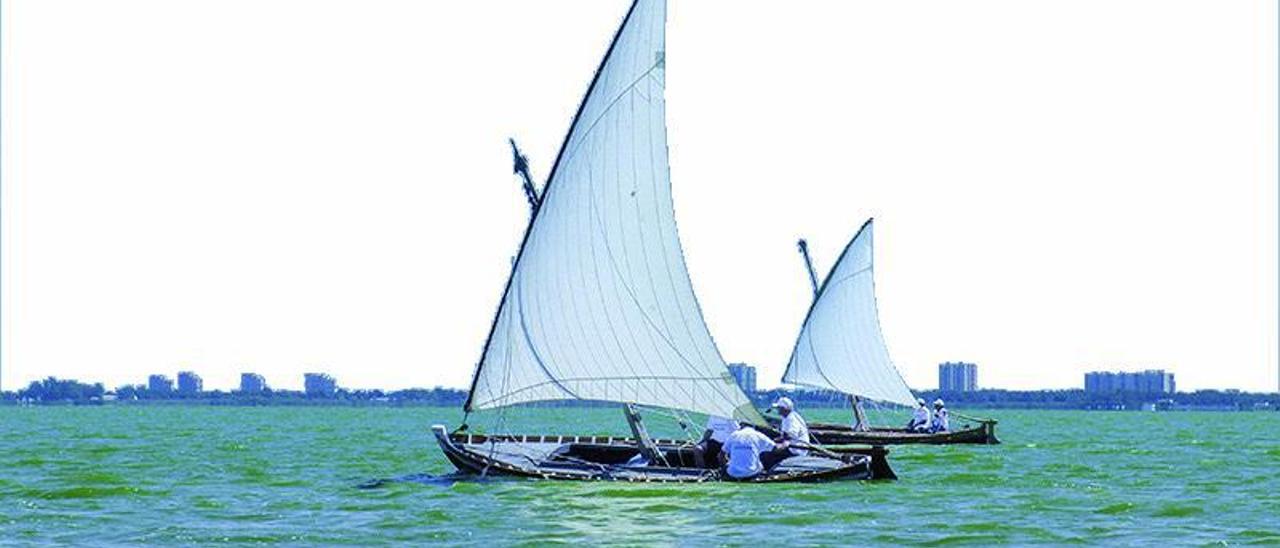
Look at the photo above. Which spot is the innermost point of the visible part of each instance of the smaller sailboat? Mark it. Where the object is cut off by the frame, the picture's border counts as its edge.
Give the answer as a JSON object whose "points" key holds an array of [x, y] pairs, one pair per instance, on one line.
{"points": [[599, 306], [840, 348]]}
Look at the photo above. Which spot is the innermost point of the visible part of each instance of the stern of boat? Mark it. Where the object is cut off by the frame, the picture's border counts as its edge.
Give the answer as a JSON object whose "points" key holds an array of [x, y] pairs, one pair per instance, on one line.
{"points": [[880, 469], [989, 432]]}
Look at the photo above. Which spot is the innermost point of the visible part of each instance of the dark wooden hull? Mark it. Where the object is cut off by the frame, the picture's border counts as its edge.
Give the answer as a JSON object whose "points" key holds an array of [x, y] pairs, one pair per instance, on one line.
{"points": [[600, 458], [983, 433]]}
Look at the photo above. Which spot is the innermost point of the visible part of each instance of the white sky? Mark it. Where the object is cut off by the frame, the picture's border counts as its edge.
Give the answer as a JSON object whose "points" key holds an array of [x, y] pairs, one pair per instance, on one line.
{"points": [[284, 186]]}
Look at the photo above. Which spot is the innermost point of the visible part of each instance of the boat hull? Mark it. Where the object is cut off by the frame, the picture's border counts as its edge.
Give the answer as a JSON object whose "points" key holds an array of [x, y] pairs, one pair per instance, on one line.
{"points": [[600, 458], [983, 433]]}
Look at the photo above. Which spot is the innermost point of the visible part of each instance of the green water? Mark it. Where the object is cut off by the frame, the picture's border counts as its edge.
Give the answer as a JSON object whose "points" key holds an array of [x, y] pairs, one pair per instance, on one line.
{"points": [[118, 475]]}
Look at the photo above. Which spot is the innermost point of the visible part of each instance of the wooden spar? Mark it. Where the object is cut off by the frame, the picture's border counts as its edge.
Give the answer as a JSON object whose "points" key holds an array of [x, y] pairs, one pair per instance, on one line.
{"points": [[808, 265], [859, 416], [521, 168], [643, 442]]}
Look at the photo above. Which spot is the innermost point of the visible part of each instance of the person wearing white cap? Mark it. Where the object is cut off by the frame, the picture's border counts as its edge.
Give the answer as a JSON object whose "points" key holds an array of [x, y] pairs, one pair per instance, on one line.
{"points": [[793, 428], [921, 418], [941, 420]]}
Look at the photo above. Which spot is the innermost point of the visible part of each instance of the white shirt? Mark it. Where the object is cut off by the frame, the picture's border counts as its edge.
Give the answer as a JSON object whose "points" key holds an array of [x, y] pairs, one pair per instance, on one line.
{"points": [[941, 421], [921, 416], [796, 429], [744, 447], [721, 428]]}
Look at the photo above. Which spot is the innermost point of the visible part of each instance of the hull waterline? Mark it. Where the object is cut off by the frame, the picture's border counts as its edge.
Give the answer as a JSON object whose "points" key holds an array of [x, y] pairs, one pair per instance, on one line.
{"points": [[983, 433]]}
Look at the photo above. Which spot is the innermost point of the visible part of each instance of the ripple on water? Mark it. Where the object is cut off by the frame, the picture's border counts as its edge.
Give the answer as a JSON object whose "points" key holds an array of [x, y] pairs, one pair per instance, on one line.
{"points": [[1117, 508], [1178, 511], [972, 478], [1258, 536], [90, 492], [948, 540], [631, 492]]}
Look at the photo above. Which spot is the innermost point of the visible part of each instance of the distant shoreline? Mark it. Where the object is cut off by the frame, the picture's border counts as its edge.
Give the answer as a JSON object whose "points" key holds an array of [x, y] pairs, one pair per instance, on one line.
{"points": [[63, 393]]}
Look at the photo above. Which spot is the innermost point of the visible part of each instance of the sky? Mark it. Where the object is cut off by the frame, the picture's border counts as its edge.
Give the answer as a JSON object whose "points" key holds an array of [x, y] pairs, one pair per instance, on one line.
{"points": [[286, 186]]}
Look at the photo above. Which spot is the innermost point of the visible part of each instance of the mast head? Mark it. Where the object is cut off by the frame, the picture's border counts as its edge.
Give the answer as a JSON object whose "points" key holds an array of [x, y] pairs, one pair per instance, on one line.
{"points": [[521, 163]]}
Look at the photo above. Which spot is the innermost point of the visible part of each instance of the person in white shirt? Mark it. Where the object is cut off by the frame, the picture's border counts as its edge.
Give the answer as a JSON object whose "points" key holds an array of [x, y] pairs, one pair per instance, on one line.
{"points": [[941, 418], [920, 419], [744, 448], [794, 431], [706, 454]]}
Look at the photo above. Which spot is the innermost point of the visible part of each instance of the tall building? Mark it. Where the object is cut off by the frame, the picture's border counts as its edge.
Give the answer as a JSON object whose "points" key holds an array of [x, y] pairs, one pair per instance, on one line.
{"points": [[252, 382], [1151, 381], [159, 383], [745, 375], [189, 382], [957, 377], [319, 384]]}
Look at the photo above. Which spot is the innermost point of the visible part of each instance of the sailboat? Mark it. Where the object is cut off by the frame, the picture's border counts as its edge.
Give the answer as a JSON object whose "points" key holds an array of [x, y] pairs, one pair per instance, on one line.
{"points": [[840, 348], [599, 305]]}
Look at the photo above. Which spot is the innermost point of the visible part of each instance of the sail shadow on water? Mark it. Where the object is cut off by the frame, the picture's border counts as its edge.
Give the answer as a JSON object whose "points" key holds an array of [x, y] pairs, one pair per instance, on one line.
{"points": [[599, 306]]}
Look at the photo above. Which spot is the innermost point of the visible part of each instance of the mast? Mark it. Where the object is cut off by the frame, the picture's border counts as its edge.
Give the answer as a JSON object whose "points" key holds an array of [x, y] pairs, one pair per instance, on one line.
{"points": [[521, 168], [808, 265]]}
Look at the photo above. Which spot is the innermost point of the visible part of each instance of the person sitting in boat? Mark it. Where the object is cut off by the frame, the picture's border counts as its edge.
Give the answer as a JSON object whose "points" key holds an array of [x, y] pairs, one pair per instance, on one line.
{"points": [[921, 419], [941, 421], [743, 450], [794, 431], [706, 454]]}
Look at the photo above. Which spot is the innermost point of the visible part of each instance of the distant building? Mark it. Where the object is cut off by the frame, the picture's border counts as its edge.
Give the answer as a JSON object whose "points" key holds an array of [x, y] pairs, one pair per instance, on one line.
{"points": [[319, 384], [159, 383], [252, 382], [189, 383], [957, 377], [1152, 381], [745, 375]]}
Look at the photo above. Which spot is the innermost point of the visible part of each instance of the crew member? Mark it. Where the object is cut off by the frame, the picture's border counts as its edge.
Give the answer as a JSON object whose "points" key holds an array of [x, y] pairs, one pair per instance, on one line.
{"points": [[744, 448], [921, 418], [706, 454], [941, 422], [794, 431]]}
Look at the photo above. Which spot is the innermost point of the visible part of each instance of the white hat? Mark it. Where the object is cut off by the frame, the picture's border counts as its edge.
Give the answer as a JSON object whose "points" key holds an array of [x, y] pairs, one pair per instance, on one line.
{"points": [[919, 401], [938, 402], [784, 403]]}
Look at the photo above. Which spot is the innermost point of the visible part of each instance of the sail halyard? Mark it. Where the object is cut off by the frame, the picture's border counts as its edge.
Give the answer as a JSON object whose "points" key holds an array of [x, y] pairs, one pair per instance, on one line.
{"points": [[599, 305], [840, 346]]}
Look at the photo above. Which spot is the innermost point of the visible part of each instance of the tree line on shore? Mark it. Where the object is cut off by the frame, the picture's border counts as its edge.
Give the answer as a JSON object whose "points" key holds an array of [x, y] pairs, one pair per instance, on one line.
{"points": [[65, 391], [62, 391]]}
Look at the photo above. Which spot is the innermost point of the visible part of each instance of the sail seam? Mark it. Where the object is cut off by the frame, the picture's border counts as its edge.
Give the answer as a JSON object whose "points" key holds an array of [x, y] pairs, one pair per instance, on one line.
{"points": [[511, 394], [605, 110]]}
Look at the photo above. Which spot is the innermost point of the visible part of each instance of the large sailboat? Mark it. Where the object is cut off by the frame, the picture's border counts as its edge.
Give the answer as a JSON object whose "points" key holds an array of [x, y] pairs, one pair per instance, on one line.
{"points": [[840, 348], [599, 305]]}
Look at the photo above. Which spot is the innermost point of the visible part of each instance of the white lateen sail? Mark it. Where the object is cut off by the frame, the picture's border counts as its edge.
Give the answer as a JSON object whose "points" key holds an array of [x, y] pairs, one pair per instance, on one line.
{"points": [[599, 305], [840, 346]]}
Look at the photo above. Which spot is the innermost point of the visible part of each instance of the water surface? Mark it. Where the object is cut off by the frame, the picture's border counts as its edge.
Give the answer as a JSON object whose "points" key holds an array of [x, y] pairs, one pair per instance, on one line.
{"points": [[179, 474]]}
